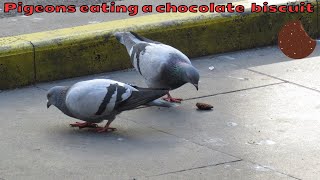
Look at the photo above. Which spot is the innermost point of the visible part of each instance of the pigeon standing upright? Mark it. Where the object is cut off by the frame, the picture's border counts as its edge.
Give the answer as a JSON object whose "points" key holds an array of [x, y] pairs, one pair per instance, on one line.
{"points": [[100, 99], [162, 66]]}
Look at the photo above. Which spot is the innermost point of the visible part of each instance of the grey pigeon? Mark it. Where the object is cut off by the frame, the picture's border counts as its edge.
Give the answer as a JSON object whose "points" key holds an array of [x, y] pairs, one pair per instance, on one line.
{"points": [[97, 100], [162, 66]]}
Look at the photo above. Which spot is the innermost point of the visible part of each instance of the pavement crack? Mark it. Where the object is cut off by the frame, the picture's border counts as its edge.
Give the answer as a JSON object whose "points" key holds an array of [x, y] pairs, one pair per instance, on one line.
{"points": [[199, 167], [204, 146], [286, 81], [34, 62], [271, 169], [238, 90]]}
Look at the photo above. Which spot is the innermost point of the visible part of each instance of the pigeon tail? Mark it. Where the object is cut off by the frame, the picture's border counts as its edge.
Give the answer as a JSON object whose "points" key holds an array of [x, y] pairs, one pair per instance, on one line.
{"points": [[161, 103], [127, 39], [141, 97], [119, 36], [141, 38]]}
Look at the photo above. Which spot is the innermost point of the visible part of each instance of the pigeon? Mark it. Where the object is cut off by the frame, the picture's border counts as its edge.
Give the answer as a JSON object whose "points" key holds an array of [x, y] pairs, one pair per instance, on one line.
{"points": [[161, 65], [94, 101]]}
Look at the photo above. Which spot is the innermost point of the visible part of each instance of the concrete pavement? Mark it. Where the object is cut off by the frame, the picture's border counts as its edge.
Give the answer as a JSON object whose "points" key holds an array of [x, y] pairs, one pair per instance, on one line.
{"points": [[264, 125]]}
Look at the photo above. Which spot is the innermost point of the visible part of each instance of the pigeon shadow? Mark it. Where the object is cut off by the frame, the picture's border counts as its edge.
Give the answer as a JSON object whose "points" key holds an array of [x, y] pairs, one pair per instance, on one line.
{"points": [[125, 137]]}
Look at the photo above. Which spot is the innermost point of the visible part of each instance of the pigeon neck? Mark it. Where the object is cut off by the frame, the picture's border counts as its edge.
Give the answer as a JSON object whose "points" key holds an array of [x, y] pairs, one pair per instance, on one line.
{"points": [[61, 102], [176, 75], [182, 67]]}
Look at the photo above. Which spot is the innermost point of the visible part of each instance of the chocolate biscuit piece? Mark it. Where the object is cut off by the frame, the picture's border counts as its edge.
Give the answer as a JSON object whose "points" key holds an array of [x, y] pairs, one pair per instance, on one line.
{"points": [[204, 106], [294, 41]]}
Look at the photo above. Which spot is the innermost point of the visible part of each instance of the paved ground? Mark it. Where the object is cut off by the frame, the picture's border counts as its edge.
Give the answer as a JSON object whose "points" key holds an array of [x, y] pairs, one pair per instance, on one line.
{"points": [[265, 125], [15, 24]]}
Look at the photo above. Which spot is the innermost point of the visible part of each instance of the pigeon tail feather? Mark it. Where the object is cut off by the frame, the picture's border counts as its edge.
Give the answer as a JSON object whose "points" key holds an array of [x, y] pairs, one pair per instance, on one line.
{"points": [[161, 103], [127, 39], [141, 38], [141, 97]]}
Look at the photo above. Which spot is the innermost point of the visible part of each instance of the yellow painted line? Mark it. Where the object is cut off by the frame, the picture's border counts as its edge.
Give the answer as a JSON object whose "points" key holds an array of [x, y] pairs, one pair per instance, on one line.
{"points": [[14, 45], [16, 63]]}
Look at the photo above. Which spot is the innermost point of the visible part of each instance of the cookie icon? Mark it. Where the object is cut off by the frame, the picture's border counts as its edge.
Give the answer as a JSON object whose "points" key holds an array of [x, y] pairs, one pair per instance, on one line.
{"points": [[294, 41]]}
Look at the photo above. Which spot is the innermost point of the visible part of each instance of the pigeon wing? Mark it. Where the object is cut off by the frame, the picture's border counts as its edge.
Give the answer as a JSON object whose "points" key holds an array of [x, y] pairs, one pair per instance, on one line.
{"points": [[141, 97], [96, 98]]}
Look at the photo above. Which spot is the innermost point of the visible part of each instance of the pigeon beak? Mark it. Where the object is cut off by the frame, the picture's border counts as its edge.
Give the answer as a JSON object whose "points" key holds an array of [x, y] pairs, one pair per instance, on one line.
{"points": [[48, 104], [196, 85]]}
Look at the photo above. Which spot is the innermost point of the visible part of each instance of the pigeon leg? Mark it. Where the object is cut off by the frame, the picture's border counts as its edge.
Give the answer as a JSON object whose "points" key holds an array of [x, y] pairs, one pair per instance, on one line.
{"points": [[106, 128], [171, 99], [84, 125]]}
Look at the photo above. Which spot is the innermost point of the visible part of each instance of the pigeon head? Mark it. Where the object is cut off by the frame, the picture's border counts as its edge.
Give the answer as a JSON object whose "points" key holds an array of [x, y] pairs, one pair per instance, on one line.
{"points": [[56, 96], [191, 74]]}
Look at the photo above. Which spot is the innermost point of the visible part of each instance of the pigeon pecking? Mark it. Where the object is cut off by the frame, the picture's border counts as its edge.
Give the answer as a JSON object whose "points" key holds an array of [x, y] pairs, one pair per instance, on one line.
{"points": [[94, 101], [162, 66]]}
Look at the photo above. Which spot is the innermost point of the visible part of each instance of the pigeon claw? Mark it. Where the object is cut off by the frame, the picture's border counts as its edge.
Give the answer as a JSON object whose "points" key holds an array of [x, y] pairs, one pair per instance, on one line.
{"points": [[171, 99], [105, 129], [84, 125]]}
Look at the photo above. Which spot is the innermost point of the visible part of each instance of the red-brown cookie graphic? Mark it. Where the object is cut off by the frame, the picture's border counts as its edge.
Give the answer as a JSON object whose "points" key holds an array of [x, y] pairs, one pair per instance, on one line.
{"points": [[294, 42]]}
